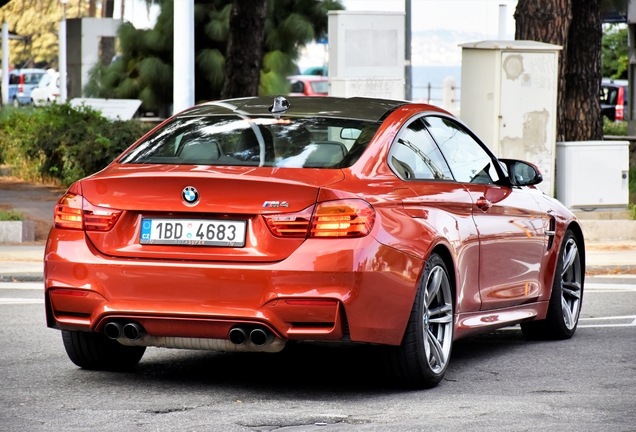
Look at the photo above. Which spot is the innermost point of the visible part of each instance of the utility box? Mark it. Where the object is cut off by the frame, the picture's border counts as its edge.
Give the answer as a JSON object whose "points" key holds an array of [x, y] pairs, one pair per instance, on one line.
{"points": [[509, 98], [593, 174], [366, 54]]}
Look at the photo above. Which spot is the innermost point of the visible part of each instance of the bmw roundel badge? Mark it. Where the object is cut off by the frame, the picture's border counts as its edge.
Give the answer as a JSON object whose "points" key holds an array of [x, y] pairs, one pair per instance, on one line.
{"points": [[190, 195]]}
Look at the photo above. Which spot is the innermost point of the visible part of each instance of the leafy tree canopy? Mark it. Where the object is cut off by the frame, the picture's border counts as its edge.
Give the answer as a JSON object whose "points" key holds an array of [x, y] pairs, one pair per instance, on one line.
{"points": [[615, 59], [144, 68]]}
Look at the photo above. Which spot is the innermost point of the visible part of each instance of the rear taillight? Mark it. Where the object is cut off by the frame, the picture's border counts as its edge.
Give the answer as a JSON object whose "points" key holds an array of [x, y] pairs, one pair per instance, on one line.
{"points": [[21, 84], [75, 212], [341, 218], [290, 224], [620, 105]]}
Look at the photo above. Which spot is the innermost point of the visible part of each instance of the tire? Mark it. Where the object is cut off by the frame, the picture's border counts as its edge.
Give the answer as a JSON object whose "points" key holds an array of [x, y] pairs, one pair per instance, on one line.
{"points": [[95, 351], [16, 103], [422, 358], [566, 298]]}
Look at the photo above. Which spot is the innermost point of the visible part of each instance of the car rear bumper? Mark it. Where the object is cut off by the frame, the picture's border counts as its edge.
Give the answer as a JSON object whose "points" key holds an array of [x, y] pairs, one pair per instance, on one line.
{"points": [[326, 290]]}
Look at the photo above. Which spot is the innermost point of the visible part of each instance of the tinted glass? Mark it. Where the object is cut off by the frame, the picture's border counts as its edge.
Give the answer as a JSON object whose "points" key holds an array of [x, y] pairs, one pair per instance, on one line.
{"points": [[415, 156], [32, 78], [297, 87], [320, 87], [608, 95], [263, 141], [468, 161]]}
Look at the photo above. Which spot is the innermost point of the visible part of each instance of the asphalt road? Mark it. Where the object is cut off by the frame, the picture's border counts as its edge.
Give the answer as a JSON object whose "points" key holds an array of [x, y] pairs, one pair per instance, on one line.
{"points": [[498, 381]]}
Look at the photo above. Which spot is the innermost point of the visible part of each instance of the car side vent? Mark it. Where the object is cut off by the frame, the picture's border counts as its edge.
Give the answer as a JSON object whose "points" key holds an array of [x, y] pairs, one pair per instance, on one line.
{"points": [[551, 232]]}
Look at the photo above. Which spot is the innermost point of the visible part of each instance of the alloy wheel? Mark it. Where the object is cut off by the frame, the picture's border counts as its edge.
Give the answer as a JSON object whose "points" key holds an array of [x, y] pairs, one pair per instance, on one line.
{"points": [[571, 284], [438, 319]]}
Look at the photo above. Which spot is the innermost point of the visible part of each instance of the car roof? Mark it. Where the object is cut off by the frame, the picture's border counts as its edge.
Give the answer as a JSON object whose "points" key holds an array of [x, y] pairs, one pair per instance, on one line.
{"points": [[308, 78], [615, 82], [359, 108]]}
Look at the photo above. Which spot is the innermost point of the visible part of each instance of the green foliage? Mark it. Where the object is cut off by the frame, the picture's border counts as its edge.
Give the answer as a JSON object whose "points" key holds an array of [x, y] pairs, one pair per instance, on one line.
{"points": [[11, 215], [614, 52], [62, 143], [144, 69], [614, 127]]}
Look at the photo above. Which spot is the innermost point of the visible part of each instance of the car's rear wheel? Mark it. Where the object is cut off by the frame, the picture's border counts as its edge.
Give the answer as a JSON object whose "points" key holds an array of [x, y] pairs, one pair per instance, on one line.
{"points": [[422, 358], [567, 294], [16, 103], [96, 351]]}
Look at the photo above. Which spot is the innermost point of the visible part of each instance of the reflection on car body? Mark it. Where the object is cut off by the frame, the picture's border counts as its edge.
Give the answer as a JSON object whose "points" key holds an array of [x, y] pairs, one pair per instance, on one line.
{"points": [[357, 220]]}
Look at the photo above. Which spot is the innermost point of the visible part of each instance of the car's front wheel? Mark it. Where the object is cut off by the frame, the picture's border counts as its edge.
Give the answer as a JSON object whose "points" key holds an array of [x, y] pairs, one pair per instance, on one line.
{"points": [[567, 294], [422, 358], [96, 351]]}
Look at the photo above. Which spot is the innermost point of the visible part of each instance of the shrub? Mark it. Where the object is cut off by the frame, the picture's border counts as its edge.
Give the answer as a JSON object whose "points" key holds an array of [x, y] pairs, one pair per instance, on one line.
{"points": [[11, 215], [614, 128], [62, 143]]}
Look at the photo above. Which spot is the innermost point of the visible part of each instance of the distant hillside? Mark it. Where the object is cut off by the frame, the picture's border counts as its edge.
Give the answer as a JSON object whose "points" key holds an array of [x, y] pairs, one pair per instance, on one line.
{"points": [[440, 47]]}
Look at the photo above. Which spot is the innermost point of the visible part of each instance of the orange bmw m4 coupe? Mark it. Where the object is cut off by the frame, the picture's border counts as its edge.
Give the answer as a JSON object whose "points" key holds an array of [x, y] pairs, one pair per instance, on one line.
{"points": [[243, 224]]}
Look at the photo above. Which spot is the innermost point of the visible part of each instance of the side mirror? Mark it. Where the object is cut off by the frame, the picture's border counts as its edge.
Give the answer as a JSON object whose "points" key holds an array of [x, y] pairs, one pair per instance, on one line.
{"points": [[350, 133], [522, 173]]}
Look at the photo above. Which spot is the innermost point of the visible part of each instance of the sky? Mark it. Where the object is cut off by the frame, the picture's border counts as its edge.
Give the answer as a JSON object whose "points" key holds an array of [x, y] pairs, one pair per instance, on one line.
{"points": [[480, 16]]}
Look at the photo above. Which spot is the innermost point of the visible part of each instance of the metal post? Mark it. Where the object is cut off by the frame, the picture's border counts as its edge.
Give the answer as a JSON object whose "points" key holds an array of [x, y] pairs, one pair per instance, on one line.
{"points": [[5, 63], [408, 86], [62, 53], [502, 21], [183, 75]]}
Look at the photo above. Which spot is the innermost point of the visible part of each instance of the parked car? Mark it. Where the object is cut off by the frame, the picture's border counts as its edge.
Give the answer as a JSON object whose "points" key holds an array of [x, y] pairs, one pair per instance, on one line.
{"points": [[309, 85], [614, 98], [21, 83], [237, 227], [47, 90]]}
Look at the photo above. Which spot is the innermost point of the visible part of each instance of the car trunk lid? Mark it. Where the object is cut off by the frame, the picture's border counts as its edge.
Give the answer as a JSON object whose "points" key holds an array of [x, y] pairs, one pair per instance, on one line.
{"points": [[233, 197]]}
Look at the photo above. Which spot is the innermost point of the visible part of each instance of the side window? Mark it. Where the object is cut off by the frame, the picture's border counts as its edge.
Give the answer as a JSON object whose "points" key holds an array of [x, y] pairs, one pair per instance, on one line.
{"points": [[468, 161], [415, 156]]}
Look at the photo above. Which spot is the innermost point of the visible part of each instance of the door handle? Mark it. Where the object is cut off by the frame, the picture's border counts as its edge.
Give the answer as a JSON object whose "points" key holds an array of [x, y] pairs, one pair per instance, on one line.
{"points": [[483, 203]]}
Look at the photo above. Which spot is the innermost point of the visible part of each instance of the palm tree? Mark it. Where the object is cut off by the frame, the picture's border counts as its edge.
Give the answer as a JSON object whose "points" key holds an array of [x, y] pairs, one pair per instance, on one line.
{"points": [[144, 67]]}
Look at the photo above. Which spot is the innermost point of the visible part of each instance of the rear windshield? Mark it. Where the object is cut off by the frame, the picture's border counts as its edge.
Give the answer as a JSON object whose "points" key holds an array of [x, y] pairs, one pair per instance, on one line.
{"points": [[262, 141]]}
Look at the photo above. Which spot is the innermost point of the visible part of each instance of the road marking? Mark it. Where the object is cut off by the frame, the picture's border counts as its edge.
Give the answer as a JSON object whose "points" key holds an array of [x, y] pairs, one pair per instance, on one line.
{"points": [[607, 288], [14, 301], [22, 286], [630, 321]]}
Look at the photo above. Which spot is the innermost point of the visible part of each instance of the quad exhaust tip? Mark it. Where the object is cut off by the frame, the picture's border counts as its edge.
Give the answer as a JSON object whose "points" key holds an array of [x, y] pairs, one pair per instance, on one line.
{"points": [[132, 331], [113, 330], [258, 336]]}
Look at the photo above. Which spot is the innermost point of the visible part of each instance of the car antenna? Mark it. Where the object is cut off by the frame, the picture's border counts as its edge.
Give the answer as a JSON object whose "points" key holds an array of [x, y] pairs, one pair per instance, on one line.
{"points": [[280, 106]]}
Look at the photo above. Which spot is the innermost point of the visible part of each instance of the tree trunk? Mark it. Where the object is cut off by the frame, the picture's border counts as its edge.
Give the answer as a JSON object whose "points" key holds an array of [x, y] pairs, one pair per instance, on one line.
{"points": [[108, 7], [244, 53], [583, 119], [548, 21]]}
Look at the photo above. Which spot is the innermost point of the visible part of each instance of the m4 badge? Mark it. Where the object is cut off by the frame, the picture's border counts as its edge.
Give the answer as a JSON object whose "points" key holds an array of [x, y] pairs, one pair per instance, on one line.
{"points": [[272, 204]]}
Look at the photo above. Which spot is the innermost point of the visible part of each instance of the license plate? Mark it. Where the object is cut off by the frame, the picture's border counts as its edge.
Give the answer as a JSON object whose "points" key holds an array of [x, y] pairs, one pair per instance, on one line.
{"points": [[193, 232]]}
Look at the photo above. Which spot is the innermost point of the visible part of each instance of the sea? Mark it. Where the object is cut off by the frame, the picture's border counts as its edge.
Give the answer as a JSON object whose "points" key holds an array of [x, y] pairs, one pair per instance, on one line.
{"points": [[423, 76]]}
